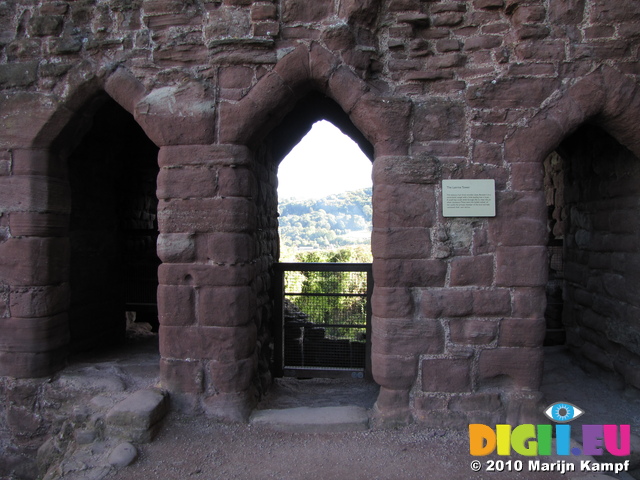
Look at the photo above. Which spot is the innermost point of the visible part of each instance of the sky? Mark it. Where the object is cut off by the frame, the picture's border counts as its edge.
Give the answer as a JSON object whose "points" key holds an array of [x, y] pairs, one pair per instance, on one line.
{"points": [[325, 162]]}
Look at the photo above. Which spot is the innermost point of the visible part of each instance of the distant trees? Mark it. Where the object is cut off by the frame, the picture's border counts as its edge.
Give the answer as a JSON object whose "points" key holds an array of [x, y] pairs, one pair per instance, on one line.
{"points": [[330, 222]]}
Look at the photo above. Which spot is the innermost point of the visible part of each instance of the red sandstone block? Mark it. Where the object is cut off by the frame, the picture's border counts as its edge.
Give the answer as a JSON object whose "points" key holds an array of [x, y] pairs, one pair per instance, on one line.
{"points": [[176, 247], [35, 302], [394, 372], [206, 275], [522, 332], [541, 50], [176, 305], [417, 169], [450, 19], [474, 270], [236, 76], [34, 261], [226, 306], [385, 123], [489, 133], [521, 219], [521, 266], [482, 42], [34, 334], [37, 162], [401, 242], [529, 302], [439, 119], [294, 11], [31, 224], [567, 12], [178, 115], [346, 88], [409, 273], [31, 365], [471, 331], [183, 376], [125, 89], [263, 11], [237, 376], [186, 182], [511, 367], [231, 214], [235, 182], [230, 248], [527, 176], [403, 5], [388, 399], [446, 375], [403, 336], [205, 155], [455, 302], [391, 302], [491, 303], [403, 206], [511, 93], [223, 344], [34, 193], [488, 4], [607, 12]]}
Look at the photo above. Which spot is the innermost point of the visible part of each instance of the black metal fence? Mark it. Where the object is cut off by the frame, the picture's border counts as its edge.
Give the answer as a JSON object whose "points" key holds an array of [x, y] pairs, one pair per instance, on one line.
{"points": [[325, 319]]}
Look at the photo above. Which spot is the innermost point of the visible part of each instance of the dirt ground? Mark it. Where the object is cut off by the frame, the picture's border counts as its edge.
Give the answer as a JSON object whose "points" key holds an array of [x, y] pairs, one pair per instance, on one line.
{"points": [[199, 448]]}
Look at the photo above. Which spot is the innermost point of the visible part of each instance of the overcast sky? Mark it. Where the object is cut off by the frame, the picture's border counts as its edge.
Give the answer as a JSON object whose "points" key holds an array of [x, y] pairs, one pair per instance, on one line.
{"points": [[323, 163]]}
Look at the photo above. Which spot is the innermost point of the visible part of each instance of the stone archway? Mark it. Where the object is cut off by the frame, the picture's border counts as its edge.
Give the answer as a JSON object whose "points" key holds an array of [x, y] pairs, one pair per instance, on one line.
{"points": [[593, 128], [37, 200]]}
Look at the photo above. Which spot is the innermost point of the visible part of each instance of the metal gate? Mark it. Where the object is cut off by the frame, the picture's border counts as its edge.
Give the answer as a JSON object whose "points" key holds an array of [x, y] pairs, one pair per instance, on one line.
{"points": [[325, 319]]}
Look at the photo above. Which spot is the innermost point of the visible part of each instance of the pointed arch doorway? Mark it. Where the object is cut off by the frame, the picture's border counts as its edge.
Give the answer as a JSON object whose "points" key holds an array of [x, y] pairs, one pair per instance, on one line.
{"points": [[321, 304]]}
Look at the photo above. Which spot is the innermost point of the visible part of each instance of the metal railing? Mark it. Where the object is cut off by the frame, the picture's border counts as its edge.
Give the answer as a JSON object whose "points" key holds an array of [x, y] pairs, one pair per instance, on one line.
{"points": [[324, 319]]}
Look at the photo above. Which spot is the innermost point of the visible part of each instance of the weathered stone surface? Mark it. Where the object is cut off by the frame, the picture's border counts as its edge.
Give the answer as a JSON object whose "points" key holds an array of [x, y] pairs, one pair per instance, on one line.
{"points": [[18, 74], [178, 115], [407, 337], [137, 416], [500, 365], [123, 455], [313, 420], [476, 270], [446, 375], [226, 306]]}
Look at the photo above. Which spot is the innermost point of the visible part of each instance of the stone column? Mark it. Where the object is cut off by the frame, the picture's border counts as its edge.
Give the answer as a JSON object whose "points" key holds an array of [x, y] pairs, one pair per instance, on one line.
{"points": [[34, 259], [206, 300], [404, 212]]}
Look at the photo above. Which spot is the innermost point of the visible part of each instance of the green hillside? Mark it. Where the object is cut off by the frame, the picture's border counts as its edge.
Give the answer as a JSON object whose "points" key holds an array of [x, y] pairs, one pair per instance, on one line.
{"points": [[328, 223]]}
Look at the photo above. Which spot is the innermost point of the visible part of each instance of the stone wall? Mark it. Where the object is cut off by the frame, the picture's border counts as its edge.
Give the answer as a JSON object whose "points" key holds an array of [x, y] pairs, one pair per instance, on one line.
{"points": [[438, 89]]}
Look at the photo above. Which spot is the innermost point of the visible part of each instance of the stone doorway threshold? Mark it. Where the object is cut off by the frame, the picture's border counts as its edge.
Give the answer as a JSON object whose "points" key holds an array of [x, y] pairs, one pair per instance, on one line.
{"points": [[317, 405]]}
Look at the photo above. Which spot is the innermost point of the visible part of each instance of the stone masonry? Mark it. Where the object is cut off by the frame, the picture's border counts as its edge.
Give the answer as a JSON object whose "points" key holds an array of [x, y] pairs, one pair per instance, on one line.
{"points": [[431, 89]]}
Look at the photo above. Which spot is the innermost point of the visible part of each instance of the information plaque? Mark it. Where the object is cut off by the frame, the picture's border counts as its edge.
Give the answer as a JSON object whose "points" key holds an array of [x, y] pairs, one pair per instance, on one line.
{"points": [[469, 198]]}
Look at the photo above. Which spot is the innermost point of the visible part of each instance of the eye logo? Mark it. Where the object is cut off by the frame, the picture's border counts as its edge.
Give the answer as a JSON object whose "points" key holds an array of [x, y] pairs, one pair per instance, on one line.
{"points": [[563, 412]]}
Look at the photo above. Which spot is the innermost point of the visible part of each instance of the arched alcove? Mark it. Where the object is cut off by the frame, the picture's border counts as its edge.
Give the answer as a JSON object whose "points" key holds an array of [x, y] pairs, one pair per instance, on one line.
{"points": [[601, 254], [111, 168]]}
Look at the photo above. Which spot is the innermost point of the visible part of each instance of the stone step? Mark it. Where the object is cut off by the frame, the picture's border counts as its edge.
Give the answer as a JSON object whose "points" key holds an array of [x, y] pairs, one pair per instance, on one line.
{"points": [[313, 419], [138, 417]]}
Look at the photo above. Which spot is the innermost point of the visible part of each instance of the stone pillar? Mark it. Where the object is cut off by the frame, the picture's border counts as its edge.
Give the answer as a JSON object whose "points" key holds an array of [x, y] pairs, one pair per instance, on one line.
{"points": [[34, 259], [206, 298], [404, 212]]}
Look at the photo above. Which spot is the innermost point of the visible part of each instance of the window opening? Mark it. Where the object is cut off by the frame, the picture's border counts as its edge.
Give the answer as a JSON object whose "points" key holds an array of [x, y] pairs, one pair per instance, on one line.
{"points": [[325, 222]]}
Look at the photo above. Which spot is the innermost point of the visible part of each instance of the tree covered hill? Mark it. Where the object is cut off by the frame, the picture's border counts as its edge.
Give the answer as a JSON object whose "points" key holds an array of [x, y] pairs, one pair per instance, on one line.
{"points": [[334, 221]]}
